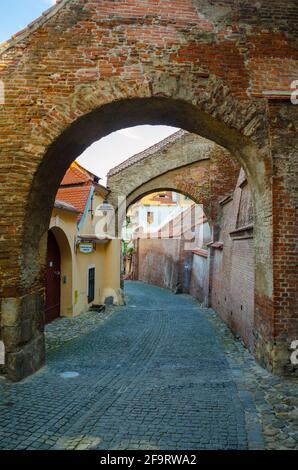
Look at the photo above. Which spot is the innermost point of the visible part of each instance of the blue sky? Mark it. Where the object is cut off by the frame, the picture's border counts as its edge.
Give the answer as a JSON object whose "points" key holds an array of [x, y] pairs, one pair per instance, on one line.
{"points": [[16, 14], [111, 150]]}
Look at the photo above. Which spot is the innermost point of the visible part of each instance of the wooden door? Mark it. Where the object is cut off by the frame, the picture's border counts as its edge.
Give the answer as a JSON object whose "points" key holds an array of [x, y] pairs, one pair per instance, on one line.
{"points": [[53, 275]]}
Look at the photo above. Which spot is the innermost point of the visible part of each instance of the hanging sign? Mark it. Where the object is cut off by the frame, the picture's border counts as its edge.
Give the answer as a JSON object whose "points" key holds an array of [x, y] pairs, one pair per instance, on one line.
{"points": [[86, 248]]}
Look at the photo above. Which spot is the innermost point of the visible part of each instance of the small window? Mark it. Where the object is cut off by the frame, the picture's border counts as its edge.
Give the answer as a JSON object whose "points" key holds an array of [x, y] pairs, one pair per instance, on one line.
{"points": [[150, 218], [91, 284]]}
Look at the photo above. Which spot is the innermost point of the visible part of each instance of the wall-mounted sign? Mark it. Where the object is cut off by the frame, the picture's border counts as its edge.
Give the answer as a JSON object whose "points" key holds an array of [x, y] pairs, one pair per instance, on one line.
{"points": [[86, 248]]}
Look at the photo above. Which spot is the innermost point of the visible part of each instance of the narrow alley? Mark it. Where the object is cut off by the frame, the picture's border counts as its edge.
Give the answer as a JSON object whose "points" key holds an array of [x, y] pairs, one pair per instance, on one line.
{"points": [[158, 373]]}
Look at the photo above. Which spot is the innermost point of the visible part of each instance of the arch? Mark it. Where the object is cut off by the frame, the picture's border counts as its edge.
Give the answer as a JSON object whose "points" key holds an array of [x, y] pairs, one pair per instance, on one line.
{"points": [[152, 187], [78, 136], [185, 163], [86, 69], [100, 122], [155, 189], [163, 250]]}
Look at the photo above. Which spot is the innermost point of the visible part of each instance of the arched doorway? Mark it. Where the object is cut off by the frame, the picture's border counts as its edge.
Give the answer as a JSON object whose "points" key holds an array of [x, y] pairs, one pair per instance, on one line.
{"points": [[86, 130], [58, 274], [53, 279]]}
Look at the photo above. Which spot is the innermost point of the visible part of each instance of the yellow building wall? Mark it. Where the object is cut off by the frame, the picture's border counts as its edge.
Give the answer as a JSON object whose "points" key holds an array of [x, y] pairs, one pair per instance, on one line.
{"points": [[74, 264], [83, 263], [63, 225]]}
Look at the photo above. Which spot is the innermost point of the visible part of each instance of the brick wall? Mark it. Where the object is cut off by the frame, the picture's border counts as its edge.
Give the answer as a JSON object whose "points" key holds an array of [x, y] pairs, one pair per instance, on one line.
{"points": [[230, 275], [199, 278], [166, 263], [232, 266], [160, 262]]}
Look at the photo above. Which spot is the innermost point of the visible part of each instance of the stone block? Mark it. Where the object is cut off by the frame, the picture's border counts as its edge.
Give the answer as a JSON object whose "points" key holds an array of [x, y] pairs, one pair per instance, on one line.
{"points": [[26, 361], [10, 312], [11, 336]]}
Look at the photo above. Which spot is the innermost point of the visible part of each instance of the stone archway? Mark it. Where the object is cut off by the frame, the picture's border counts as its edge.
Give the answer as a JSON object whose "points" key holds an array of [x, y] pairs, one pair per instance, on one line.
{"points": [[222, 274], [184, 163], [163, 248], [88, 68]]}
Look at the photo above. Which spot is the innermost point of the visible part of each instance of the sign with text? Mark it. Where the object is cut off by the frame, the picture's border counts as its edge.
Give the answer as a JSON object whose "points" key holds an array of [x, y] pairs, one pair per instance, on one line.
{"points": [[86, 248]]}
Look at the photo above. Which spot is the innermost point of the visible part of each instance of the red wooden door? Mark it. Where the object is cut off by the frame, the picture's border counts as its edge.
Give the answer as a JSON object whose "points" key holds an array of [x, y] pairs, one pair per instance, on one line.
{"points": [[53, 274]]}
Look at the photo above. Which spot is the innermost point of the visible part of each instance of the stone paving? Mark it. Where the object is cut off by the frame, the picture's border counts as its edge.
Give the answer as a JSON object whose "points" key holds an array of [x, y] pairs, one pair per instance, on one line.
{"points": [[275, 398], [158, 373], [65, 329]]}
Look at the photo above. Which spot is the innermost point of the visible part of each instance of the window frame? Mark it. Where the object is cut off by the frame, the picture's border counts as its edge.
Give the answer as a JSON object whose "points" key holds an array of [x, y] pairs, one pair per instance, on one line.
{"points": [[90, 294]]}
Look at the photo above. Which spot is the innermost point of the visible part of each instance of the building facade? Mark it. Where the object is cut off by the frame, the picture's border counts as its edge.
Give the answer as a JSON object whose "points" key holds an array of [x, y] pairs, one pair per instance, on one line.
{"points": [[82, 266], [152, 212]]}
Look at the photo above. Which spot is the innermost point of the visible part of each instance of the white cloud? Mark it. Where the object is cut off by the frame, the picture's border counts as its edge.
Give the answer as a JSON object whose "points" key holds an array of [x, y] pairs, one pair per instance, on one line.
{"points": [[113, 149], [130, 134]]}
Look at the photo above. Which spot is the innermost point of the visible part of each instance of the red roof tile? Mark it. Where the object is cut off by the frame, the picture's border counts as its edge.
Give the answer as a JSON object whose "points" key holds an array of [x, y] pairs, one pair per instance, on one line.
{"points": [[75, 187], [77, 175], [77, 196]]}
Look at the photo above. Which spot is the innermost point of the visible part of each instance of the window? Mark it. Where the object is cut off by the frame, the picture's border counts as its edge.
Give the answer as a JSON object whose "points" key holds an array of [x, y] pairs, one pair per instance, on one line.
{"points": [[91, 284], [150, 218]]}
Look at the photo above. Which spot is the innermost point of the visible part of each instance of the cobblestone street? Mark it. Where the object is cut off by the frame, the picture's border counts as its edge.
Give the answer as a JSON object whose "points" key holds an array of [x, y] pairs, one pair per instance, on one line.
{"points": [[158, 373]]}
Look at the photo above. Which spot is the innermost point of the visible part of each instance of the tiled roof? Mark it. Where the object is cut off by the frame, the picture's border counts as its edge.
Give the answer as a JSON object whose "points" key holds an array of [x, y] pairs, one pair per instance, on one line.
{"points": [[76, 174], [76, 196], [75, 188], [147, 153], [155, 199], [64, 205]]}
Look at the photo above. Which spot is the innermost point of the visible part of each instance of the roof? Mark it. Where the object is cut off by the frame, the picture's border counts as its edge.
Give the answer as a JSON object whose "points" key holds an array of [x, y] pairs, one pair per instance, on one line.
{"points": [[76, 196], [76, 174], [94, 239], [154, 199], [65, 206], [148, 152], [76, 187]]}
